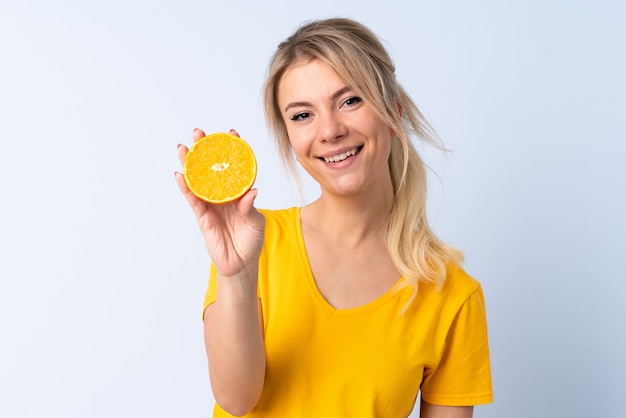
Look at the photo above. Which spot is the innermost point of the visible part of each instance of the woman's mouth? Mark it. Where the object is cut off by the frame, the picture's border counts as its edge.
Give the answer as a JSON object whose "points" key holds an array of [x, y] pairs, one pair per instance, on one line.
{"points": [[342, 156]]}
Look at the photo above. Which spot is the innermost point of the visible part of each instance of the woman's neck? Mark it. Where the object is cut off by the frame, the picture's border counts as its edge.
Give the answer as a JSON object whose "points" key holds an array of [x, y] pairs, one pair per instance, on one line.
{"points": [[349, 219]]}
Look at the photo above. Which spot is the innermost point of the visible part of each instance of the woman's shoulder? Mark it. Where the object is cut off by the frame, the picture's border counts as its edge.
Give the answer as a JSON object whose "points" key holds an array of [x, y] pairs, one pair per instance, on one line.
{"points": [[457, 276], [278, 212], [281, 216], [281, 222], [458, 290], [459, 284], [282, 231]]}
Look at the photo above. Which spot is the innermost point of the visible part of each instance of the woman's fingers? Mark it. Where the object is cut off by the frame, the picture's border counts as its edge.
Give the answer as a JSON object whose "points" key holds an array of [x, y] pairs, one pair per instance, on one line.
{"points": [[198, 206], [181, 150], [246, 202], [182, 185], [198, 134]]}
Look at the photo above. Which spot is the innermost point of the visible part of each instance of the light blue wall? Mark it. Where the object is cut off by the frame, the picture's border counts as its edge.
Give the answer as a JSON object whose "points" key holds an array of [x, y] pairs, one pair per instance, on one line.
{"points": [[102, 270]]}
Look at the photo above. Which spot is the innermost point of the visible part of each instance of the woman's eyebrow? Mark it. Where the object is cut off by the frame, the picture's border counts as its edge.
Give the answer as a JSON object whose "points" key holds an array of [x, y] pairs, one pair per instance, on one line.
{"points": [[334, 96], [340, 92]]}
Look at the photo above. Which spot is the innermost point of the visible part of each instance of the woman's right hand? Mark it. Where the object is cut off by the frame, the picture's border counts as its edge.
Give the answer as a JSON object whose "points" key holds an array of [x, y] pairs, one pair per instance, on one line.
{"points": [[233, 232]]}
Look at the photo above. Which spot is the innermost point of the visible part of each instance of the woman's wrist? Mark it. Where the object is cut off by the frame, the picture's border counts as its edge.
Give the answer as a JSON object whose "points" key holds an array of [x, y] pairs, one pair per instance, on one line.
{"points": [[242, 284]]}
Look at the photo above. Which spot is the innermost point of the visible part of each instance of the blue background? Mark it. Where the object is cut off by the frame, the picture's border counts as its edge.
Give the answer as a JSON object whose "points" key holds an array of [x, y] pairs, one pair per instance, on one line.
{"points": [[102, 269]]}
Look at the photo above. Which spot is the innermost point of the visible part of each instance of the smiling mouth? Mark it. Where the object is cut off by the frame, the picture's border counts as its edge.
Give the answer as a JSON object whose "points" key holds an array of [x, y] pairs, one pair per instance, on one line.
{"points": [[342, 156]]}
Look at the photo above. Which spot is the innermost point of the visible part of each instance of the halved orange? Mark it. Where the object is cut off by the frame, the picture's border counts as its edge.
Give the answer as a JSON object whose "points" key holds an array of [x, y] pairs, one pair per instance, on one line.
{"points": [[220, 168]]}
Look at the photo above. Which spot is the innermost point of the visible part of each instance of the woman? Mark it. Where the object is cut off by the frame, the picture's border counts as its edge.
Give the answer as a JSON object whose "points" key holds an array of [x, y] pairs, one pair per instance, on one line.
{"points": [[349, 306]]}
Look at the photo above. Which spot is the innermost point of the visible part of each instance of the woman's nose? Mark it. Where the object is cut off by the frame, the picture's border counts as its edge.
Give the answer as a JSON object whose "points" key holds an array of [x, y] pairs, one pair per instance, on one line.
{"points": [[331, 127]]}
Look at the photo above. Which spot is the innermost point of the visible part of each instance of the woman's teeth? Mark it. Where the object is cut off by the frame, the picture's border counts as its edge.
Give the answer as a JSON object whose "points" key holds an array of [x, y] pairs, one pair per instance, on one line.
{"points": [[341, 157]]}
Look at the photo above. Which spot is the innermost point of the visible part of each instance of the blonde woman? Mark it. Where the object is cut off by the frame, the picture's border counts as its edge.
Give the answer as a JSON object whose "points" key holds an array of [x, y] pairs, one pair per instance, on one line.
{"points": [[349, 306]]}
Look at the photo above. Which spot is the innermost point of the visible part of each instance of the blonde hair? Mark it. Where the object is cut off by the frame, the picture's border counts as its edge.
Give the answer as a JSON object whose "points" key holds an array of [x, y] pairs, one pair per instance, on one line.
{"points": [[358, 57]]}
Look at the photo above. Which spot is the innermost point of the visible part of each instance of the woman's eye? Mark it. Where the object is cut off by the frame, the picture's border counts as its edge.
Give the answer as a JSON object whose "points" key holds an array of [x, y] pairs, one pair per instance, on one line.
{"points": [[300, 116], [351, 101]]}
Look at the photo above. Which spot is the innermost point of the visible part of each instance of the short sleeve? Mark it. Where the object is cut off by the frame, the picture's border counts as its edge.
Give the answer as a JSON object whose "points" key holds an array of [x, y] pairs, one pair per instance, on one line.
{"points": [[463, 375], [211, 292]]}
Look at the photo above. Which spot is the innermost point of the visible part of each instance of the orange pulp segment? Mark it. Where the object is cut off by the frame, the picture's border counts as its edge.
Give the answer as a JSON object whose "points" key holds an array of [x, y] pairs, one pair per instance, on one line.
{"points": [[220, 168]]}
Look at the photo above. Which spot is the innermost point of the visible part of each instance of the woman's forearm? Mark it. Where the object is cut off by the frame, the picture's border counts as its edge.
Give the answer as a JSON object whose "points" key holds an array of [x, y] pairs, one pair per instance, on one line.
{"points": [[234, 343]]}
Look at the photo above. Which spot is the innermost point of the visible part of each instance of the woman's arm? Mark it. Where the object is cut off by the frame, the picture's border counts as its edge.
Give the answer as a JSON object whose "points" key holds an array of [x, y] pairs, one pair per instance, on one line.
{"points": [[233, 233], [234, 344], [437, 411]]}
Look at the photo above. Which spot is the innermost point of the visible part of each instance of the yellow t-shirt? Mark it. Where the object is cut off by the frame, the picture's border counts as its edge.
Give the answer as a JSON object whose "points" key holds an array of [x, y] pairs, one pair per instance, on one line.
{"points": [[368, 361]]}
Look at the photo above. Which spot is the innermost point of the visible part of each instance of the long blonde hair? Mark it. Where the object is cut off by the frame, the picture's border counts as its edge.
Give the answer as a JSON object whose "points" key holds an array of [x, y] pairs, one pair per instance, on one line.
{"points": [[358, 57]]}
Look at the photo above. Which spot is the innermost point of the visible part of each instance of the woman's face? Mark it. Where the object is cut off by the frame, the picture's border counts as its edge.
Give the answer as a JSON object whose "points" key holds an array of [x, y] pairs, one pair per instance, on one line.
{"points": [[336, 136]]}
